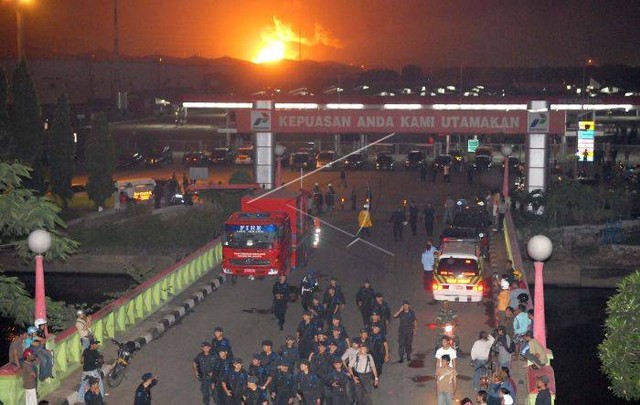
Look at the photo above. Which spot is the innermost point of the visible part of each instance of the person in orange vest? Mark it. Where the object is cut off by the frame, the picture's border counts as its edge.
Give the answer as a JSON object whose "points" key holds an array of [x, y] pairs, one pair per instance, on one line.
{"points": [[364, 221]]}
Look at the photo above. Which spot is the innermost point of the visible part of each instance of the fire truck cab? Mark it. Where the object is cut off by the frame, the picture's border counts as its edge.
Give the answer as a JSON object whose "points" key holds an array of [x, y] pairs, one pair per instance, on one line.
{"points": [[272, 235]]}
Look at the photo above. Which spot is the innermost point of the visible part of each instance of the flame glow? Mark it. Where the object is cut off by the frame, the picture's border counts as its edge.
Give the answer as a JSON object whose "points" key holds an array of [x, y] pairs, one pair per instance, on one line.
{"points": [[281, 41]]}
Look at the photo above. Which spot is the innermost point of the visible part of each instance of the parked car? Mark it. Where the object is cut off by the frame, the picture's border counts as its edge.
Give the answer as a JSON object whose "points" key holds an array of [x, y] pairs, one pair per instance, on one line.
{"points": [[134, 161], [304, 158], [482, 163], [355, 161], [443, 160], [384, 161], [221, 156], [414, 160], [197, 158], [325, 159], [160, 159]]}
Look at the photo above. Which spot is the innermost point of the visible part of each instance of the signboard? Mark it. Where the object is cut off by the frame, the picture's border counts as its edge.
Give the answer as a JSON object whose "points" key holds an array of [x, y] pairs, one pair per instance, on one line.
{"points": [[472, 145], [387, 121], [586, 136], [538, 122], [261, 120], [251, 228]]}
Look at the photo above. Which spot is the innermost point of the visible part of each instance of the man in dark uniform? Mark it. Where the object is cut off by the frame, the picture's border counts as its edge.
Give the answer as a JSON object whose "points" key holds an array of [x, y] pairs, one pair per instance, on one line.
{"points": [[332, 303], [268, 360], [256, 369], [222, 367], [364, 300], [397, 219], [235, 383], [406, 330], [308, 285], [336, 323], [220, 342], [280, 293], [284, 384], [364, 339], [308, 385], [203, 367], [253, 394], [429, 218], [338, 380], [289, 351], [143, 392], [379, 348], [305, 335], [319, 312], [333, 282], [381, 306], [376, 320], [413, 217]]}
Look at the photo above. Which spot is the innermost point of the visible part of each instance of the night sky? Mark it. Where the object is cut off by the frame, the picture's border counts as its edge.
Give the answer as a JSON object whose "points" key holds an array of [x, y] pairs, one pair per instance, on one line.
{"points": [[374, 33]]}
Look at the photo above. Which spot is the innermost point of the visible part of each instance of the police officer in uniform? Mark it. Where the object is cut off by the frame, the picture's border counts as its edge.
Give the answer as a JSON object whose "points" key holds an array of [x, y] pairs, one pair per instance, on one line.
{"points": [[220, 342], [307, 287], [397, 220], [338, 380], [256, 369], [254, 395], [308, 385], [289, 351], [222, 367], [280, 293], [406, 330], [203, 367], [364, 300], [381, 306], [319, 311], [379, 348], [333, 283], [413, 217], [235, 383], [284, 384], [332, 303], [305, 335]]}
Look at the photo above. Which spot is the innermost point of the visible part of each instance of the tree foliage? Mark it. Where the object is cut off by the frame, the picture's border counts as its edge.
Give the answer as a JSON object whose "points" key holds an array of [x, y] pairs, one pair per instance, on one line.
{"points": [[27, 130], [100, 161], [620, 350], [62, 152], [22, 212], [4, 115]]}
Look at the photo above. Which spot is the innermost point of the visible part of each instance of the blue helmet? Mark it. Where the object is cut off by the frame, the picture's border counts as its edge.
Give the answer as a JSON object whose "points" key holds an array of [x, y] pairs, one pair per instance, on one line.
{"points": [[31, 330]]}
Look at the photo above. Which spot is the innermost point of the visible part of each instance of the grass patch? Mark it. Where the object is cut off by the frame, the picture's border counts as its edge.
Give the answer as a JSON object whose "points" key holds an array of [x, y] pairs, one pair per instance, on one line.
{"points": [[183, 231]]}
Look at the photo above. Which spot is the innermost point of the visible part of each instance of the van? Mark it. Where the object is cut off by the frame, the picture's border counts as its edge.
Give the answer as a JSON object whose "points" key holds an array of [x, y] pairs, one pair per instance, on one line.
{"points": [[458, 274], [141, 190]]}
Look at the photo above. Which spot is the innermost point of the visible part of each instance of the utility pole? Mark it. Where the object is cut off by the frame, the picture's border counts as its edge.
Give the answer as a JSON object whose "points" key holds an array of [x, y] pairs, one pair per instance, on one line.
{"points": [[115, 84], [20, 31]]}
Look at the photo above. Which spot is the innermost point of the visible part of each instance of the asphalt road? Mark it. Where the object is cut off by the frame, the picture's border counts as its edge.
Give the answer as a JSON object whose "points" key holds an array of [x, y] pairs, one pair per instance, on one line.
{"points": [[243, 309]]}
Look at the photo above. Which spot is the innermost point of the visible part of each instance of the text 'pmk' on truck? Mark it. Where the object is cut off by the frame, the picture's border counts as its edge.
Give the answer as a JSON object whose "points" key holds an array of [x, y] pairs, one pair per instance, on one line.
{"points": [[271, 235]]}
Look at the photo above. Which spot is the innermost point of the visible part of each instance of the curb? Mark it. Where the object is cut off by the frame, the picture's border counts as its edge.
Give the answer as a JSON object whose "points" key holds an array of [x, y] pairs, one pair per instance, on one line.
{"points": [[165, 323]]}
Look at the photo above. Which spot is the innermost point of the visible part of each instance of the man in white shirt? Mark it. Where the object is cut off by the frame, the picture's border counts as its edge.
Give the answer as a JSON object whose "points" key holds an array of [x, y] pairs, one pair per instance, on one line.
{"points": [[349, 356], [480, 357], [446, 349]]}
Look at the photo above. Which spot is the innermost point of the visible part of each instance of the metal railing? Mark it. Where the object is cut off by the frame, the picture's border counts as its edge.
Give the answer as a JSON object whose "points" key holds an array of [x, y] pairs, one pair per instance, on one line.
{"points": [[114, 318]]}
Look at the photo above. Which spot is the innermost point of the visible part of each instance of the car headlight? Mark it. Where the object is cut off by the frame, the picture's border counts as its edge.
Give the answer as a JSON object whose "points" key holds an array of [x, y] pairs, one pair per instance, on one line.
{"points": [[272, 272], [226, 270], [317, 231]]}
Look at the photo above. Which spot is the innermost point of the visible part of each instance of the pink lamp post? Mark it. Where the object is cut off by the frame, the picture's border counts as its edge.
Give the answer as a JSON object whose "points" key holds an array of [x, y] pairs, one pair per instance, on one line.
{"points": [[279, 151], [39, 242], [506, 151], [539, 249]]}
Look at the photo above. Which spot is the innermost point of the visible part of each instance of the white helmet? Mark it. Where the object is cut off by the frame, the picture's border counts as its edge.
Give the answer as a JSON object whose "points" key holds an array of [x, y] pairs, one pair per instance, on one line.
{"points": [[504, 284], [329, 184], [366, 206], [39, 321], [79, 312]]}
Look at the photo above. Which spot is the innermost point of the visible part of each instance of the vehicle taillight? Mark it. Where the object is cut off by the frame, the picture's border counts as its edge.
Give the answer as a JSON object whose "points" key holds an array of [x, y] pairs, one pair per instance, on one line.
{"points": [[435, 286]]}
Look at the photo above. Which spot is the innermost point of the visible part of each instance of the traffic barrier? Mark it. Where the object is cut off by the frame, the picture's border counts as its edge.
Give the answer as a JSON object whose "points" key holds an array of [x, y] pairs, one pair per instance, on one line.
{"points": [[514, 254], [116, 317]]}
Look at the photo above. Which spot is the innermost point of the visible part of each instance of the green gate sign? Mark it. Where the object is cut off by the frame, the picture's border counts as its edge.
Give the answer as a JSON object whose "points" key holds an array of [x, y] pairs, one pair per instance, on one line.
{"points": [[472, 145]]}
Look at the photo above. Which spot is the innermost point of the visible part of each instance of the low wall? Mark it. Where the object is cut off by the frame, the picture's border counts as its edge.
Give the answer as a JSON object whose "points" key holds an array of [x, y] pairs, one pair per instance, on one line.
{"points": [[514, 254], [116, 317]]}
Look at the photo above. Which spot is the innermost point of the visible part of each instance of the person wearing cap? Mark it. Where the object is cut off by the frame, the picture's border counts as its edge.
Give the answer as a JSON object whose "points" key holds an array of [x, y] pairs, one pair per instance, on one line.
{"points": [[308, 385], [305, 334], [338, 380], [342, 344], [365, 376], [381, 306], [333, 283], [336, 323], [308, 286], [318, 310], [91, 361], [379, 348], [258, 370], [332, 303], [83, 323], [254, 395], [363, 338], [93, 395], [406, 330], [289, 351], [29, 377], [397, 220], [280, 292], [320, 360], [235, 383], [321, 338], [219, 342], [544, 395], [376, 320], [143, 392], [222, 366], [203, 367], [268, 360], [364, 300], [284, 384], [364, 222]]}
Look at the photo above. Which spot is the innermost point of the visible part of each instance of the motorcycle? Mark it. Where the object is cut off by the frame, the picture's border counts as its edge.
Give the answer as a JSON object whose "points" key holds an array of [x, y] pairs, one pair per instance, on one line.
{"points": [[125, 353], [448, 330]]}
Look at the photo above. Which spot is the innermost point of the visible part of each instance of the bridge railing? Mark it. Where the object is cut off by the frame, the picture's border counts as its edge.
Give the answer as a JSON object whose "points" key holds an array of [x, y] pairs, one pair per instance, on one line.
{"points": [[114, 318], [514, 254]]}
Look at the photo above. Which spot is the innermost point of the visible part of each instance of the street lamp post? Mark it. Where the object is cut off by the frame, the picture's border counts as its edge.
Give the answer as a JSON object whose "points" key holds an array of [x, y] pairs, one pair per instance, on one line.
{"points": [[279, 151], [20, 29], [539, 249], [39, 242], [506, 151]]}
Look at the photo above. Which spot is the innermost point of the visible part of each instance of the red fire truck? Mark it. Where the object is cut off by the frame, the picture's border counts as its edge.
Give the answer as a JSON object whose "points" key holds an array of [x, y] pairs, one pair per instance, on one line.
{"points": [[272, 235]]}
